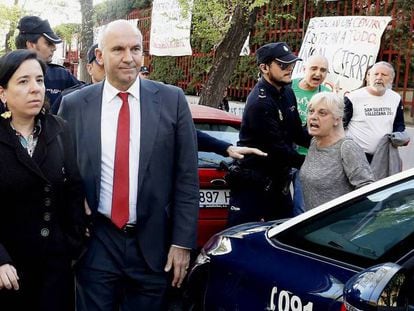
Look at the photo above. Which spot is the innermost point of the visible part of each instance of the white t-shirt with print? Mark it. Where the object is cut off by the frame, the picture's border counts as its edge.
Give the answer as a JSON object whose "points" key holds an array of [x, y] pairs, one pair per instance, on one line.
{"points": [[373, 117]]}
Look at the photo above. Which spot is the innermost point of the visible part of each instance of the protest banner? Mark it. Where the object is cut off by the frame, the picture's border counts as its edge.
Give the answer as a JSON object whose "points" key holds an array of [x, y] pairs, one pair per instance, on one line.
{"points": [[350, 43], [170, 29]]}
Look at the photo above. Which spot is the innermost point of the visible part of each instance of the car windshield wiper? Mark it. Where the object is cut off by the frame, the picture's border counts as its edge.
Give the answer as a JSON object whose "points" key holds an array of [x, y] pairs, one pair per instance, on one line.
{"points": [[334, 244], [358, 249]]}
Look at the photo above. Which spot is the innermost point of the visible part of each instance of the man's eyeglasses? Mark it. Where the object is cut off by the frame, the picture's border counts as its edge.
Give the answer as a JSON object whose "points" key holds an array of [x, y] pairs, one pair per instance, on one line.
{"points": [[282, 65]]}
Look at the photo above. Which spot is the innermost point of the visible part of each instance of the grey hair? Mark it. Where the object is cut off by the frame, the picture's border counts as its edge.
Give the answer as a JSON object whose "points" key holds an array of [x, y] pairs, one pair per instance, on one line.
{"points": [[332, 100], [385, 64]]}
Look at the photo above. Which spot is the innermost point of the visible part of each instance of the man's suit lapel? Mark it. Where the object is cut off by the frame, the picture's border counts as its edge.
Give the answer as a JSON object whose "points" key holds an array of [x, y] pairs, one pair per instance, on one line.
{"points": [[150, 117], [91, 125]]}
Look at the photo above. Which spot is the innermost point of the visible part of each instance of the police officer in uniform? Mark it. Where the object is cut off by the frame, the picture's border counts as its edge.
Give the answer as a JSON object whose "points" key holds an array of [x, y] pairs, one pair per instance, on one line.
{"points": [[271, 123], [37, 35], [95, 70]]}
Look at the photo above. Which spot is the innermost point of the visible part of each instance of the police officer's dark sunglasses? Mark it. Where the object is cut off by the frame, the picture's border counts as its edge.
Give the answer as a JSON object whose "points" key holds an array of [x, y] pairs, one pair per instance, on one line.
{"points": [[283, 65]]}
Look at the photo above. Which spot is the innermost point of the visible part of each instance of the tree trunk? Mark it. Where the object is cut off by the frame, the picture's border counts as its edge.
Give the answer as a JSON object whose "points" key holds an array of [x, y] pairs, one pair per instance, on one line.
{"points": [[86, 37], [227, 56], [7, 38], [9, 34]]}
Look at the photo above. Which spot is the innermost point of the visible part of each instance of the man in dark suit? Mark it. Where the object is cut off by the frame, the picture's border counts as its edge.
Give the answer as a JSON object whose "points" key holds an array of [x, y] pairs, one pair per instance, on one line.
{"points": [[130, 253]]}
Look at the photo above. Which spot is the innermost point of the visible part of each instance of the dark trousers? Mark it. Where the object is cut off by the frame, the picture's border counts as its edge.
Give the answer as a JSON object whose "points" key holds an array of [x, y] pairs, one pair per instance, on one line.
{"points": [[45, 285], [112, 275], [249, 204]]}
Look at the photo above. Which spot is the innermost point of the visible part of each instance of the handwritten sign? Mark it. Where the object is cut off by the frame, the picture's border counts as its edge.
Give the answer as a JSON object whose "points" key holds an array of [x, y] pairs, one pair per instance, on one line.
{"points": [[170, 30], [350, 43]]}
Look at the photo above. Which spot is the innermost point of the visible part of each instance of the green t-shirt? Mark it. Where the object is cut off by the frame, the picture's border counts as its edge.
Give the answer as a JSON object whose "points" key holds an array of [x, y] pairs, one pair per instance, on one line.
{"points": [[303, 98]]}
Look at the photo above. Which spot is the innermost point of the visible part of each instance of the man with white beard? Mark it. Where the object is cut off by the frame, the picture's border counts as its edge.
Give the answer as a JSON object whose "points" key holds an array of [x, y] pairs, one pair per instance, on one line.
{"points": [[374, 111]]}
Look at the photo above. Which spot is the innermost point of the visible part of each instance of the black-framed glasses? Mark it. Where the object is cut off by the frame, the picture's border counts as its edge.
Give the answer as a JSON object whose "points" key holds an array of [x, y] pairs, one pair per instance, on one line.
{"points": [[282, 65]]}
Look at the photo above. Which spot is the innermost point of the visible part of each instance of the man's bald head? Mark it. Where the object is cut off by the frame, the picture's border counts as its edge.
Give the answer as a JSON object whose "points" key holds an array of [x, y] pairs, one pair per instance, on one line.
{"points": [[117, 26], [120, 51], [316, 69]]}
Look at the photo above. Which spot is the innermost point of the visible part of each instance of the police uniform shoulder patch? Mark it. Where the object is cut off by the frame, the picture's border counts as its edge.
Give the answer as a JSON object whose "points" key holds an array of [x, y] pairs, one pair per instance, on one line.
{"points": [[262, 93]]}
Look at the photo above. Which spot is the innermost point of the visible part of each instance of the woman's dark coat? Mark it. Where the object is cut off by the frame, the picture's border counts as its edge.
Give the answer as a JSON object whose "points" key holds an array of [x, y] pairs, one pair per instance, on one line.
{"points": [[41, 197]]}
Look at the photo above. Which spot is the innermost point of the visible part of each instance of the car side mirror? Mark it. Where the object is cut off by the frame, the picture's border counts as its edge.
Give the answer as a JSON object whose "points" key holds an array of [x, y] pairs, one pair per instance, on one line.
{"points": [[382, 287]]}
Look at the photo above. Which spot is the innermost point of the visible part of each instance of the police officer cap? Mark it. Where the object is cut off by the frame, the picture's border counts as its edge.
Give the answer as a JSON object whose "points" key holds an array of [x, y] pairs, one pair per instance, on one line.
{"points": [[91, 53], [279, 51], [34, 25], [144, 69]]}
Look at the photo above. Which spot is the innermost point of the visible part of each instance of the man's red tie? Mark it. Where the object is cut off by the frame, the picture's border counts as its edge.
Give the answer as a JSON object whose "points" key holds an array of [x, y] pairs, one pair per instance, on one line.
{"points": [[120, 192]]}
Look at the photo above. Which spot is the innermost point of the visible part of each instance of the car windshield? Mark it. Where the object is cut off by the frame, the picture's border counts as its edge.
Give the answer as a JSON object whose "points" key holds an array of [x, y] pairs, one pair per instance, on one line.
{"points": [[366, 230], [225, 132]]}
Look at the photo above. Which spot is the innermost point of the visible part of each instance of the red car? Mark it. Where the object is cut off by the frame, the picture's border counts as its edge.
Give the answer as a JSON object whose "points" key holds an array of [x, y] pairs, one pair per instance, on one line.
{"points": [[214, 191]]}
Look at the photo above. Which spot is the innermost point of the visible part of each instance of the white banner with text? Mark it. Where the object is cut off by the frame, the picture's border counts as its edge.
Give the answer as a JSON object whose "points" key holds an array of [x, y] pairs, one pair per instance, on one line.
{"points": [[350, 43], [170, 29]]}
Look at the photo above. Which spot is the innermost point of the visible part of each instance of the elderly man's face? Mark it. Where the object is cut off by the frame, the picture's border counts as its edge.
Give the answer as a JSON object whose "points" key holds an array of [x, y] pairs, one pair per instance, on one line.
{"points": [[121, 55], [380, 78], [316, 70]]}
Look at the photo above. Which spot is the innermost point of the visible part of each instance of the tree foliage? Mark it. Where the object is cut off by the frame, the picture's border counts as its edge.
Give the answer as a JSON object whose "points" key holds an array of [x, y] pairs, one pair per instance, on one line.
{"points": [[115, 9], [9, 17], [222, 26], [67, 31], [168, 64], [211, 19], [210, 23]]}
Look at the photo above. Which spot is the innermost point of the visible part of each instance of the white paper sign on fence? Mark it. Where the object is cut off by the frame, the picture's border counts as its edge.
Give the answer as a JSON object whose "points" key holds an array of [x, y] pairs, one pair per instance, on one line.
{"points": [[350, 43], [170, 30]]}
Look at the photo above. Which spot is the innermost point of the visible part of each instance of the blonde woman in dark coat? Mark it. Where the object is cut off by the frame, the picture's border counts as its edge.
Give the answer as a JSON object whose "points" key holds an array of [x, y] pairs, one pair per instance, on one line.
{"points": [[42, 221]]}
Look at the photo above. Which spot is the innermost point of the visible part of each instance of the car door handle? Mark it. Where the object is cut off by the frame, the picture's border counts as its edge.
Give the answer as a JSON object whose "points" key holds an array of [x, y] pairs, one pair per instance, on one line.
{"points": [[218, 182]]}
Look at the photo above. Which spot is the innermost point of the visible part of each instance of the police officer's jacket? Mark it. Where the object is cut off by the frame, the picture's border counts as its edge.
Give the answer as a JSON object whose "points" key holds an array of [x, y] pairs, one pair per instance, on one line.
{"points": [[57, 79], [54, 108], [271, 123]]}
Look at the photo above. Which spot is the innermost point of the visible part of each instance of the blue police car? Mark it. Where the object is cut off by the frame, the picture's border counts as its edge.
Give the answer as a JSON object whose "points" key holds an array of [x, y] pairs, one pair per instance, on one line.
{"points": [[304, 263]]}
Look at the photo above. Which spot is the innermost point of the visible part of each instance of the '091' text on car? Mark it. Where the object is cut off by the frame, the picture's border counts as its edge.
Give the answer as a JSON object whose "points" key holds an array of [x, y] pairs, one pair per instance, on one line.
{"points": [[305, 262]]}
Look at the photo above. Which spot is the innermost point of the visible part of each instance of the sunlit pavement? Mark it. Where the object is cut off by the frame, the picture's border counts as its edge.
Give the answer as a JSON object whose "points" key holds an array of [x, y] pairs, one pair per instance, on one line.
{"points": [[407, 153]]}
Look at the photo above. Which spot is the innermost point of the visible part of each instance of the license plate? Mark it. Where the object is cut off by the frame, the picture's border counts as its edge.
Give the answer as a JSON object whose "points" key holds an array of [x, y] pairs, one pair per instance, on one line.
{"points": [[214, 198]]}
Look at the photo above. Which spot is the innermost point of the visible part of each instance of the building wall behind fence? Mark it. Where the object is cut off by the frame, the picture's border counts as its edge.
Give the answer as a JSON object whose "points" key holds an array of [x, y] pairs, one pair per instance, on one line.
{"points": [[396, 47]]}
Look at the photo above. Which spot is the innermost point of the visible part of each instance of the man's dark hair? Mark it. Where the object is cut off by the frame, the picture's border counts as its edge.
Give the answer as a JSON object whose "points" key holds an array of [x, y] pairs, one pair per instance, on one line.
{"points": [[21, 39]]}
